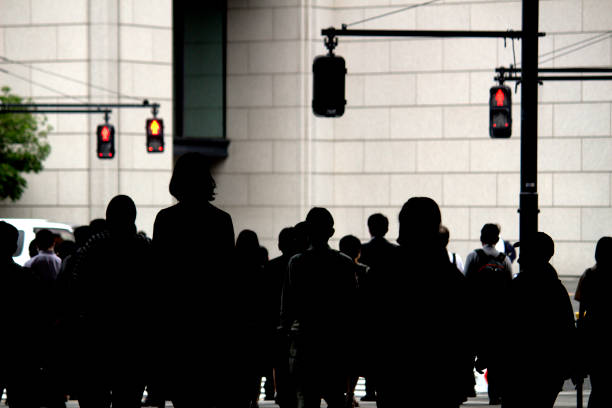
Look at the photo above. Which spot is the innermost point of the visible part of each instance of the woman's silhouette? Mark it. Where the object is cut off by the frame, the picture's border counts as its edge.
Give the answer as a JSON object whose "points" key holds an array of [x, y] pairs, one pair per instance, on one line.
{"points": [[199, 304]]}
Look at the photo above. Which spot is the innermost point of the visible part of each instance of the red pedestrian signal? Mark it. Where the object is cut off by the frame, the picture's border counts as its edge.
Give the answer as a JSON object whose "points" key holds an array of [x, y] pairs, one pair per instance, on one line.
{"points": [[155, 135], [106, 141], [500, 111]]}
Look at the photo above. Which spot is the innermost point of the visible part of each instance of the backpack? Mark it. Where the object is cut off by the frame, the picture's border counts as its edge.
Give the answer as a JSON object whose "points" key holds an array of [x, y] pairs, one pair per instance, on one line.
{"points": [[493, 265]]}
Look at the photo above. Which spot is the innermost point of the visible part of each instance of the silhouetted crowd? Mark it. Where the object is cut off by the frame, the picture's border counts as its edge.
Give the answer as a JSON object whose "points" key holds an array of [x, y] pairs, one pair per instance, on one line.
{"points": [[198, 318]]}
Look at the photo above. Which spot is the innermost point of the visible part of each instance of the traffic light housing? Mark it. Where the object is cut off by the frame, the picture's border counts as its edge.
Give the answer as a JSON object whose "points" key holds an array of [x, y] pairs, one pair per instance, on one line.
{"points": [[500, 111], [155, 135], [329, 73], [106, 141]]}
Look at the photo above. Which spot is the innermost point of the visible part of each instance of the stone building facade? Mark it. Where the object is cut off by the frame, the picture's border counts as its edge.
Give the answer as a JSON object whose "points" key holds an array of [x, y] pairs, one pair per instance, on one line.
{"points": [[416, 121]]}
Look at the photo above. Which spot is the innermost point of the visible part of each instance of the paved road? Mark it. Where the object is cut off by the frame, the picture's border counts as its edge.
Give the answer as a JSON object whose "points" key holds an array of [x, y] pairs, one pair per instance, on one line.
{"points": [[565, 400]]}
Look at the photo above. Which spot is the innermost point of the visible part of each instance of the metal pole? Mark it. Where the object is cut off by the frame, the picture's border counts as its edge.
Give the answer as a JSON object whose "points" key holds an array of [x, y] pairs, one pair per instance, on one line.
{"points": [[528, 218]]}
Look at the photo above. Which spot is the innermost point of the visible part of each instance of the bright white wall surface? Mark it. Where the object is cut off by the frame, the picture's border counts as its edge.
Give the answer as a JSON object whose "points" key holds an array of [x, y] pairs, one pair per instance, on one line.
{"points": [[416, 121], [86, 51]]}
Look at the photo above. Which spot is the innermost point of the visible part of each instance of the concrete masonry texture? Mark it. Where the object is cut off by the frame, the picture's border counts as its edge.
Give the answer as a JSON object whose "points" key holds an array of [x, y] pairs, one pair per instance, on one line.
{"points": [[416, 119]]}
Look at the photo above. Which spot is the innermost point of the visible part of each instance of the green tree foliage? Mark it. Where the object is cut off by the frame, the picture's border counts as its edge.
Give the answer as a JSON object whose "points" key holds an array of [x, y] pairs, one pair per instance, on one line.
{"points": [[23, 147]]}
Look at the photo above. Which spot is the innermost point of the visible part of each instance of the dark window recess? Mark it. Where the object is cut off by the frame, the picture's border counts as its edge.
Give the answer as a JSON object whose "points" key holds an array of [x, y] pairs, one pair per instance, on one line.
{"points": [[199, 78]]}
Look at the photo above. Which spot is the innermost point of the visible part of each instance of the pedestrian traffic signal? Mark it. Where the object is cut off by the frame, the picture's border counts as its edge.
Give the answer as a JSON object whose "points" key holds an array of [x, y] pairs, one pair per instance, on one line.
{"points": [[155, 135], [500, 111], [329, 72], [106, 141]]}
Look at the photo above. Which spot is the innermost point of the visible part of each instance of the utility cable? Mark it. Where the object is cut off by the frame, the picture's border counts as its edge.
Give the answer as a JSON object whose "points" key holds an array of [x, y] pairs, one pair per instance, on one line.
{"points": [[69, 79], [391, 12], [585, 45], [42, 86]]}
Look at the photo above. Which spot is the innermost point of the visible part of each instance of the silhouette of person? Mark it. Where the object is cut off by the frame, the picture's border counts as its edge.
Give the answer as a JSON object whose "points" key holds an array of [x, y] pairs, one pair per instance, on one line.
{"points": [[318, 305], [350, 245], [488, 274], [376, 254], [194, 244], [19, 310], [249, 269], [595, 312], [276, 272], [537, 330], [419, 304], [453, 256], [46, 264], [112, 289]]}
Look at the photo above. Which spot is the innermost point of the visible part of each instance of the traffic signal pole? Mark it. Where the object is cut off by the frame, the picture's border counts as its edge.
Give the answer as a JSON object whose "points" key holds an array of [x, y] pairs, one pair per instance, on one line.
{"points": [[528, 204]]}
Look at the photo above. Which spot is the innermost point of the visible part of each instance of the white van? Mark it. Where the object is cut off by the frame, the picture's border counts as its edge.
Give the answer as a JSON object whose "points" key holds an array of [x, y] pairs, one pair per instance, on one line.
{"points": [[28, 227]]}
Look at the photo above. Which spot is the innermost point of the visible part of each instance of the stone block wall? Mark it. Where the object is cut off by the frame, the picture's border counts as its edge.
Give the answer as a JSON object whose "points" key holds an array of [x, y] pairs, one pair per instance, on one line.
{"points": [[416, 121], [85, 51]]}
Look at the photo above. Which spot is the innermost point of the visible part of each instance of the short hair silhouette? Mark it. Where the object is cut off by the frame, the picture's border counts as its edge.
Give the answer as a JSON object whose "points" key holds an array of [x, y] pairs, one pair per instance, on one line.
{"points": [[8, 239], [489, 234], [286, 240], [191, 179], [350, 245], [66, 248], [120, 212], [378, 225], [97, 226], [81, 234], [444, 235], [603, 251], [320, 224], [44, 239], [301, 236], [419, 221]]}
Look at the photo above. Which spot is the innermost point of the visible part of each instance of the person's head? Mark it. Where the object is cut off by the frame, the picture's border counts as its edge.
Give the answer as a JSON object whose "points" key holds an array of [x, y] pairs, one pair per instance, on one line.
{"points": [[97, 226], [489, 234], [247, 244], [444, 235], [540, 248], [419, 222], [81, 234], [351, 246], [286, 241], [65, 248], [45, 240], [603, 251], [302, 240], [378, 225], [8, 240], [320, 225], [191, 180], [32, 248], [121, 215]]}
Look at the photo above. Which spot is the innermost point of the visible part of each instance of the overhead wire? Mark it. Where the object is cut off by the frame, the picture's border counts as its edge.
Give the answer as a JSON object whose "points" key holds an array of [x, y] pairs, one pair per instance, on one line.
{"points": [[42, 86], [391, 12], [69, 78]]}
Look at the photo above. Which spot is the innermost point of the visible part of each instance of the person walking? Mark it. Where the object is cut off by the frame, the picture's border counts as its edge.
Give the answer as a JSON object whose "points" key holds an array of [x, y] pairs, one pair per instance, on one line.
{"points": [[318, 303], [488, 274], [200, 320], [593, 324], [112, 291], [419, 304], [536, 330]]}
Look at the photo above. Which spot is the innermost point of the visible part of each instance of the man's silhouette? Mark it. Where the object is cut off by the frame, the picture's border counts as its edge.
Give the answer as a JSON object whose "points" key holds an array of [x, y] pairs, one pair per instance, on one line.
{"points": [[112, 293], [318, 304], [46, 264], [488, 274], [537, 330], [593, 293], [276, 272], [200, 324], [419, 317], [453, 256], [19, 315]]}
